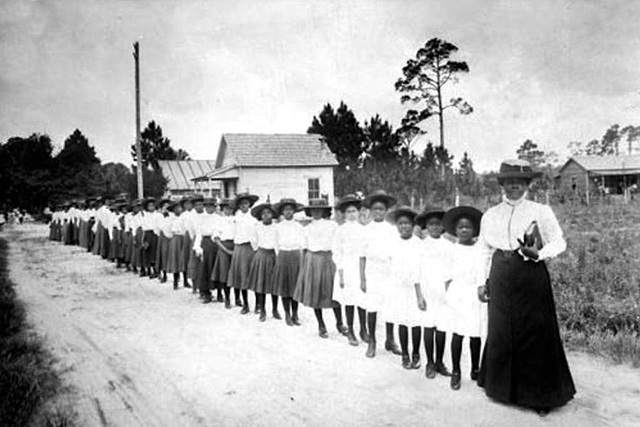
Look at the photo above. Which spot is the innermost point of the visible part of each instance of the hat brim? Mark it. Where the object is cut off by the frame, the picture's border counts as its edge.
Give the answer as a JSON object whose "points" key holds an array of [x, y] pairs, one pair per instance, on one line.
{"points": [[343, 204], [256, 212], [325, 209], [400, 212], [252, 198], [389, 201], [423, 217], [297, 207], [520, 175], [451, 217]]}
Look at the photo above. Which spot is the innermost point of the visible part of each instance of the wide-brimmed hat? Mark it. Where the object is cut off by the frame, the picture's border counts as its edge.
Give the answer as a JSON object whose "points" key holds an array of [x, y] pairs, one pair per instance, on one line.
{"points": [[209, 201], [162, 201], [256, 212], [429, 212], [287, 201], [380, 196], [402, 211], [147, 200], [452, 216], [225, 202], [136, 202], [321, 204], [516, 169], [195, 198], [173, 205], [252, 198], [349, 199]]}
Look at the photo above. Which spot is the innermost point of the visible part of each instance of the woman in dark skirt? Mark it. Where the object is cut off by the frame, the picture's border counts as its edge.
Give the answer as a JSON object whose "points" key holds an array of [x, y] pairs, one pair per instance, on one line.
{"points": [[264, 261], [164, 236], [205, 248], [290, 241], [244, 247], [175, 255], [524, 361], [225, 251], [315, 284]]}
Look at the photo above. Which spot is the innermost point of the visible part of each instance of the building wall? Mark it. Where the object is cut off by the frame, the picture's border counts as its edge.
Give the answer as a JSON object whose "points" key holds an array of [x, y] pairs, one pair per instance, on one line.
{"points": [[277, 183], [571, 174]]}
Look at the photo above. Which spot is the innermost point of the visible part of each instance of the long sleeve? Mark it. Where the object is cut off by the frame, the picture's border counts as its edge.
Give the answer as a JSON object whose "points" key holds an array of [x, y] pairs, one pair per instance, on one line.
{"points": [[485, 250], [552, 236]]}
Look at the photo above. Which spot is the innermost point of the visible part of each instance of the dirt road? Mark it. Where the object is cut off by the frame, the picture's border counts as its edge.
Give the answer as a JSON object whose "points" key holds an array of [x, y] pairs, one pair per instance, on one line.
{"points": [[138, 353]]}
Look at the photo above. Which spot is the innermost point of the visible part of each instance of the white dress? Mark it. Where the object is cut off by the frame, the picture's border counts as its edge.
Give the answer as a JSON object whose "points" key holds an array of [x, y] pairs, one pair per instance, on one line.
{"points": [[378, 248], [436, 270], [468, 314], [347, 249], [401, 303]]}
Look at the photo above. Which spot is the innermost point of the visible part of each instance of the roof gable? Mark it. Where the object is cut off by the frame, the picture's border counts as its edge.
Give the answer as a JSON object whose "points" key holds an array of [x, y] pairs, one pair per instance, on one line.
{"points": [[273, 150], [179, 173]]}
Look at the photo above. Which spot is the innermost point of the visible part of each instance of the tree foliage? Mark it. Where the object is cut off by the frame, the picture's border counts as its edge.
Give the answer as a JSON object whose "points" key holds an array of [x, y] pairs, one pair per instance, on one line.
{"points": [[154, 146], [530, 152], [422, 85], [615, 140]]}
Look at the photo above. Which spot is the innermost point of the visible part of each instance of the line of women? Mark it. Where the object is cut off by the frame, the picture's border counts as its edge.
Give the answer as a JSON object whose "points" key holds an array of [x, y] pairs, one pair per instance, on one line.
{"points": [[385, 269]]}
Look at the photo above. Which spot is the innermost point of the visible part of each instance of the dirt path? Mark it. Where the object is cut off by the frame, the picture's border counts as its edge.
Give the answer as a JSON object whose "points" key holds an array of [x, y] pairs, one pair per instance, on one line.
{"points": [[138, 353]]}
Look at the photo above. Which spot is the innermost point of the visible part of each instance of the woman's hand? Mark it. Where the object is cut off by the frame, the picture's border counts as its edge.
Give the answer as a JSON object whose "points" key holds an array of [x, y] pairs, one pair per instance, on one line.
{"points": [[483, 293], [422, 303], [363, 285], [341, 273], [531, 250]]}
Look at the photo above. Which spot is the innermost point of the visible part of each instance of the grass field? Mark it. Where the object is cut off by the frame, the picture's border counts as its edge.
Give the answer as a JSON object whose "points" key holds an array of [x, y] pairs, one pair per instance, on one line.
{"points": [[28, 380], [597, 280]]}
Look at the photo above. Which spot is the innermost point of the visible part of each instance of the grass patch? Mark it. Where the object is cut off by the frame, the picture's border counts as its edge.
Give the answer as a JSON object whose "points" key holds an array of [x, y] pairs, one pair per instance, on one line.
{"points": [[28, 380], [597, 280]]}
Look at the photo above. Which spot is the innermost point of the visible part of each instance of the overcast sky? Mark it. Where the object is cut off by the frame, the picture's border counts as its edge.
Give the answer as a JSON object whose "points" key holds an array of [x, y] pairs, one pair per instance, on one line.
{"points": [[552, 71]]}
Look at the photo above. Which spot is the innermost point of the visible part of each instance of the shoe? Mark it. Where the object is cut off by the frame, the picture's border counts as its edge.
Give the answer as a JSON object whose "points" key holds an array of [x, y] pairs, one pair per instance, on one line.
{"points": [[256, 310], [227, 304], [221, 298], [322, 332], [245, 309], [342, 330], [238, 303], [175, 286], [143, 273], [276, 315], [392, 347], [295, 320], [406, 361], [163, 280], [430, 371], [187, 285], [287, 319], [364, 336], [442, 370], [206, 299], [474, 374], [371, 349], [194, 290], [352, 338], [263, 315], [542, 412], [415, 361], [455, 381]]}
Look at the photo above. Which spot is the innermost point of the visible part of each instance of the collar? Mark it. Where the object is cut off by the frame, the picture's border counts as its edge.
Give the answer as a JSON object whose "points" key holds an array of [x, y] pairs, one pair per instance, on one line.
{"points": [[515, 203]]}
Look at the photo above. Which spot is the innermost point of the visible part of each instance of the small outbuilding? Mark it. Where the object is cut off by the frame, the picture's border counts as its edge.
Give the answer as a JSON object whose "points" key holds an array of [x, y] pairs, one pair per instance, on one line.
{"points": [[180, 173], [608, 174], [273, 166]]}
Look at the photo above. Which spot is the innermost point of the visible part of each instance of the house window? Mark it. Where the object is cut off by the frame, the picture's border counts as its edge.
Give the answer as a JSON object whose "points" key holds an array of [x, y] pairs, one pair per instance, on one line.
{"points": [[314, 188]]}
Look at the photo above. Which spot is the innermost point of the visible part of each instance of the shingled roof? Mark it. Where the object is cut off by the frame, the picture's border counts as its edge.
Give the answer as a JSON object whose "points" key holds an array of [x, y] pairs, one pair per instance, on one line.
{"points": [[273, 150], [180, 173], [605, 165]]}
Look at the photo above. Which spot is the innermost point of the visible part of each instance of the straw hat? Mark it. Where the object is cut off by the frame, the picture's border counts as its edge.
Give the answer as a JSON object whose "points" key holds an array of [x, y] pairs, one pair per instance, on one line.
{"points": [[452, 216], [380, 196]]}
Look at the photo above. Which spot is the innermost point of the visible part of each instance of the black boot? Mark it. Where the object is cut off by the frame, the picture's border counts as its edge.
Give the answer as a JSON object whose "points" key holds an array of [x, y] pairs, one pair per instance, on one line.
{"points": [[352, 337]]}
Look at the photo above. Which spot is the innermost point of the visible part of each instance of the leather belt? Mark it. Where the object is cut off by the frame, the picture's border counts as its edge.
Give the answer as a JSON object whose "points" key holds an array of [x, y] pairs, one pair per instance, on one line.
{"points": [[507, 253]]}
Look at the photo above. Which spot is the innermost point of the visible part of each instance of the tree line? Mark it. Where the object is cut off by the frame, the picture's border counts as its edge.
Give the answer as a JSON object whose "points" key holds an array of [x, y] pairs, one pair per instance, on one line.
{"points": [[32, 176]]}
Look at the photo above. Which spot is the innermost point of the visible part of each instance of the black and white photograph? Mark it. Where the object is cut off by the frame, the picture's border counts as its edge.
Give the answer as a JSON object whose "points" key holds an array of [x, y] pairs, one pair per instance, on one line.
{"points": [[319, 213]]}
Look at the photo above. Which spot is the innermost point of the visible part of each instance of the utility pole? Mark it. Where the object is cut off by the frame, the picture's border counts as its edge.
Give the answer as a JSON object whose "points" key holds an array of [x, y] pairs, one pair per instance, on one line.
{"points": [[136, 57]]}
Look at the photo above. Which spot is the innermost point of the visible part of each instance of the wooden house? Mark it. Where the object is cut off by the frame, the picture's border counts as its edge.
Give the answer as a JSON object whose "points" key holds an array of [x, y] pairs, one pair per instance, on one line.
{"points": [[610, 174], [273, 166]]}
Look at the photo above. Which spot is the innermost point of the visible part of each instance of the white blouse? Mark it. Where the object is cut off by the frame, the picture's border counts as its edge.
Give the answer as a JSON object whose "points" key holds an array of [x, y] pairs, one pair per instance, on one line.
{"points": [[319, 235], [436, 259], [378, 241], [178, 226], [245, 231], [348, 243], [290, 235], [266, 236], [503, 224], [227, 227]]}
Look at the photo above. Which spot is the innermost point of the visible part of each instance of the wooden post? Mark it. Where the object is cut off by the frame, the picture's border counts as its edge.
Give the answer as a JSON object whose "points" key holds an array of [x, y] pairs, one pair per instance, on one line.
{"points": [[136, 56], [586, 186]]}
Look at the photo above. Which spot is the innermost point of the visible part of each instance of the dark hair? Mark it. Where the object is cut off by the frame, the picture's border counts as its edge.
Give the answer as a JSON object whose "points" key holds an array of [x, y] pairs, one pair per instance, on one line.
{"points": [[345, 206]]}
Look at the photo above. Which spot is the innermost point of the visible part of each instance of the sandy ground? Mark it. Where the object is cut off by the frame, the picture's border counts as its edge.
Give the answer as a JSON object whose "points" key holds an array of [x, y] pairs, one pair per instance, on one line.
{"points": [[135, 352]]}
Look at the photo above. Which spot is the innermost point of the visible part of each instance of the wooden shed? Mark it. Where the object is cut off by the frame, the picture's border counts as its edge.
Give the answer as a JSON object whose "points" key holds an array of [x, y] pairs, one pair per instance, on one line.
{"points": [[180, 174], [610, 174], [273, 166]]}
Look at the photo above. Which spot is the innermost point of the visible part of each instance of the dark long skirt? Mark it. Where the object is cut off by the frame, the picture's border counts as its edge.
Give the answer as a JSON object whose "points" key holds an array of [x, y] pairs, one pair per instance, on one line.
{"points": [[136, 255], [127, 247], [150, 246], [240, 266], [315, 283], [285, 275], [261, 271], [114, 243], [223, 263], [162, 252], [52, 230], [524, 361], [175, 255], [90, 234], [68, 233], [205, 266]]}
